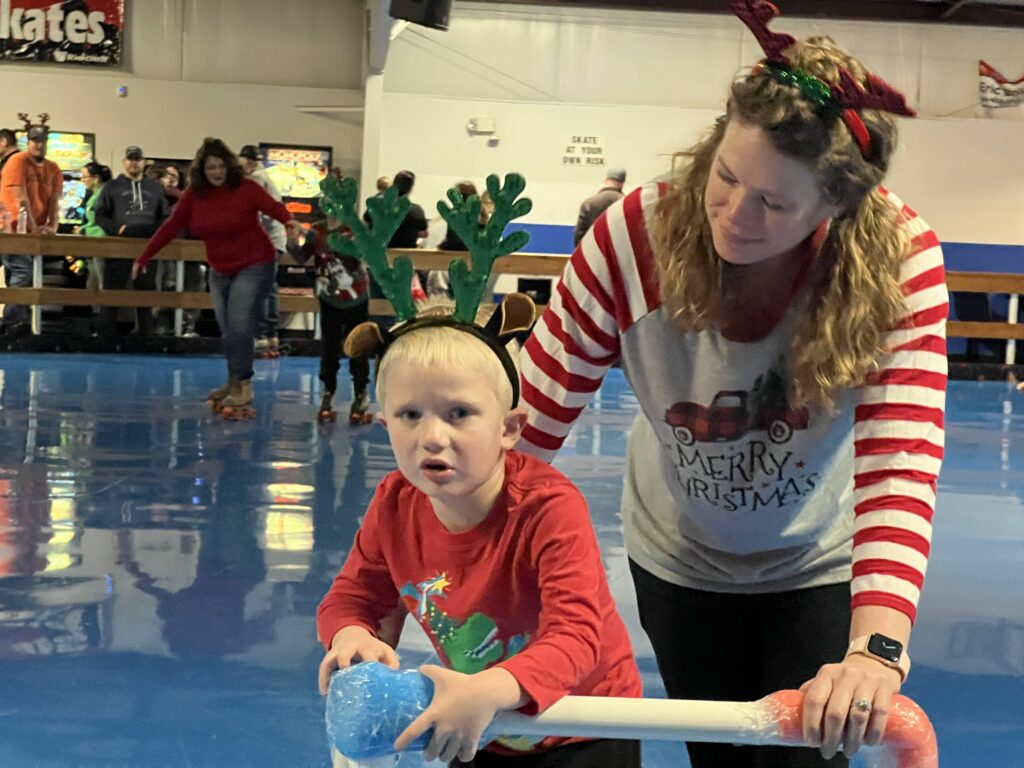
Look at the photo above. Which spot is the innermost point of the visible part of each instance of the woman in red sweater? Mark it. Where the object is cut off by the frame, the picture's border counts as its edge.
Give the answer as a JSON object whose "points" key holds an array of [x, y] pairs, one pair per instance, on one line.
{"points": [[221, 207]]}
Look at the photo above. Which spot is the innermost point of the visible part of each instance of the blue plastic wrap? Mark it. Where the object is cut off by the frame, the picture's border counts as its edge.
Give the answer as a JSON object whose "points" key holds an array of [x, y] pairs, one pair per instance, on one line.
{"points": [[369, 705]]}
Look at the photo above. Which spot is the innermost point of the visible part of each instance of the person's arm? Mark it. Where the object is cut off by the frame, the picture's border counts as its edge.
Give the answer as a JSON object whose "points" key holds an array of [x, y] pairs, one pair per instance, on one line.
{"points": [[421, 223], [582, 224], [22, 199], [91, 228], [363, 593], [170, 229], [104, 211], [603, 291], [53, 215], [14, 178], [566, 649], [898, 449]]}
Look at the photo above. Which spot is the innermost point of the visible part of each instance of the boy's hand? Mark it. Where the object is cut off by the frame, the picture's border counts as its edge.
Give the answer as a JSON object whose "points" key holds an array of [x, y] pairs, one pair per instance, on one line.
{"points": [[354, 644], [463, 706]]}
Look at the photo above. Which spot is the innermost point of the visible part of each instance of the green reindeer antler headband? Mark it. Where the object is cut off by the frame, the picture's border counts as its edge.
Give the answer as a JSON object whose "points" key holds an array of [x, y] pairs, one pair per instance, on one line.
{"points": [[486, 243]]}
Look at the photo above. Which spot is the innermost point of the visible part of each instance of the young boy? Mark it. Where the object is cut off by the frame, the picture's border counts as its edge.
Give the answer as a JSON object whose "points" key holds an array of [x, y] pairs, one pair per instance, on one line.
{"points": [[491, 551], [343, 292]]}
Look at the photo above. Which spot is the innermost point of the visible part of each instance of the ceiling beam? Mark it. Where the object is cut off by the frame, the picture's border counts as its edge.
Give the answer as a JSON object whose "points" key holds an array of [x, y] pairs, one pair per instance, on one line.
{"points": [[919, 11]]}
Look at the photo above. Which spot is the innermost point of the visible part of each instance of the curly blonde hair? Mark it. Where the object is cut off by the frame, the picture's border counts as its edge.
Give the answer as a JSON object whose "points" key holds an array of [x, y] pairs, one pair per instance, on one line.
{"points": [[843, 314]]}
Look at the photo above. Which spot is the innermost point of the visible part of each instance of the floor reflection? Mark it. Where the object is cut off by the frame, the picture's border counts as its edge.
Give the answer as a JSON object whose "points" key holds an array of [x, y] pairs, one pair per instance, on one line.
{"points": [[160, 568]]}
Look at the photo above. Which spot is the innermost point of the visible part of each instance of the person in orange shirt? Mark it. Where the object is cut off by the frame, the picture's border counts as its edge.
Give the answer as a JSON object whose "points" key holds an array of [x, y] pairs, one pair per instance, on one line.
{"points": [[32, 181]]}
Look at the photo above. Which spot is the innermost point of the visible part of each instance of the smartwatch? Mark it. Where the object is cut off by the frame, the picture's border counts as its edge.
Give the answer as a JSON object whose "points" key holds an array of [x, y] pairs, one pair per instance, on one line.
{"points": [[884, 650]]}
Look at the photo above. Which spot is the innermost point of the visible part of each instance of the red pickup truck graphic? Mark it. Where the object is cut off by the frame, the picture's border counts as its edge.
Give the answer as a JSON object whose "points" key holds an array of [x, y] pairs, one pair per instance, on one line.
{"points": [[729, 418]]}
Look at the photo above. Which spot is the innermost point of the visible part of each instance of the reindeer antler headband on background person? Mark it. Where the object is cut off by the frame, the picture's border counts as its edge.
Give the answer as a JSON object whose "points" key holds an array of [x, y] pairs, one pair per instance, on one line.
{"points": [[844, 100], [515, 314], [43, 118]]}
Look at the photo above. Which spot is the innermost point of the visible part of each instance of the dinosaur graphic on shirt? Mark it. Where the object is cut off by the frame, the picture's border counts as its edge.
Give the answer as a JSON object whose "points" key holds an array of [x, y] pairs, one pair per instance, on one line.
{"points": [[471, 644]]}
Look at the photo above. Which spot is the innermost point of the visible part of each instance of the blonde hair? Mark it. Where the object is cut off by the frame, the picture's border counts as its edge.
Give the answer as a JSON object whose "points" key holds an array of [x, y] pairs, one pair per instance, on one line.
{"points": [[447, 348], [855, 296]]}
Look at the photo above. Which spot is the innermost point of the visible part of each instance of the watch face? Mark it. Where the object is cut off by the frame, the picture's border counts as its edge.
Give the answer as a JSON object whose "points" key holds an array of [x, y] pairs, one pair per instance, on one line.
{"points": [[885, 648]]}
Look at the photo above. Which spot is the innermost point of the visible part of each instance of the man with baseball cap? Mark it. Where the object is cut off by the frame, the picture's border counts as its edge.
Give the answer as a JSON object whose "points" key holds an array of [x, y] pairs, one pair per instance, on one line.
{"points": [[597, 204], [129, 206], [33, 183]]}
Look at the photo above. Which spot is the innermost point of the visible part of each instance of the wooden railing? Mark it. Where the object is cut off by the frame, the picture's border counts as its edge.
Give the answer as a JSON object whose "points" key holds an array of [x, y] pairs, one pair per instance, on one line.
{"points": [[532, 264]]}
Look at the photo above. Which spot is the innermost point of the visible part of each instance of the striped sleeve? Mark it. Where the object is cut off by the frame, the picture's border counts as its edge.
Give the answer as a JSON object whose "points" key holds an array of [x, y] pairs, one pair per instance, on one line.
{"points": [[899, 436], [608, 284]]}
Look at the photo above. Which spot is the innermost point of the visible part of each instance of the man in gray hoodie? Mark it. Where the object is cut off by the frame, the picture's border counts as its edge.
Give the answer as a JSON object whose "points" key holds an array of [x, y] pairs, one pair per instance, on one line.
{"points": [[129, 206]]}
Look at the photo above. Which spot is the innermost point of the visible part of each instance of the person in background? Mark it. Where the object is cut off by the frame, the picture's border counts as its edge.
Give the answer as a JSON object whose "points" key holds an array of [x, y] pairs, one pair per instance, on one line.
{"points": [[598, 203], [31, 183], [343, 292], [8, 146], [173, 183], [437, 279], [94, 176], [267, 342], [222, 208], [129, 206]]}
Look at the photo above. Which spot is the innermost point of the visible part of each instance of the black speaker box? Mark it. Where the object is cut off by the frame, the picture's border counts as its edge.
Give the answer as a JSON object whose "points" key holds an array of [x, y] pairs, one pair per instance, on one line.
{"points": [[427, 13]]}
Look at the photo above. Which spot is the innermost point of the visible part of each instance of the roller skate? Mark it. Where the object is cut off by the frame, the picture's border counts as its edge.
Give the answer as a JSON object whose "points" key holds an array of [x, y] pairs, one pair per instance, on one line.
{"points": [[215, 397], [359, 413], [325, 412], [238, 404], [268, 349]]}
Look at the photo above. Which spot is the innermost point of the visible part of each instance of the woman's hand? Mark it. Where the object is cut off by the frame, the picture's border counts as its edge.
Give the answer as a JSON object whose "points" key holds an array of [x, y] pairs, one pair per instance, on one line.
{"points": [[354, 644], [137, 270], [294, 230], [462, 707], [834, 704]]}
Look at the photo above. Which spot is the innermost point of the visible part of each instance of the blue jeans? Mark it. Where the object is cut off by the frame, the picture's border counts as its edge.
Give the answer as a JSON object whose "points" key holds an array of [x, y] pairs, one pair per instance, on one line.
{"points": [[236, 301], [269, 317], [18, 274]]}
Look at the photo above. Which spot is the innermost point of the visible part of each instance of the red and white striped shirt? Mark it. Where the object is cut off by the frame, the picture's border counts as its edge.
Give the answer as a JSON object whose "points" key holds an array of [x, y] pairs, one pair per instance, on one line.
{"points": [[728, 487]]}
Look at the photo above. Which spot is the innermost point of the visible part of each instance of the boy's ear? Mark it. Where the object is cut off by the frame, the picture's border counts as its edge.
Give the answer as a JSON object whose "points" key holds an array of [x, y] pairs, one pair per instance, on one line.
{"points": [[515, 422]]}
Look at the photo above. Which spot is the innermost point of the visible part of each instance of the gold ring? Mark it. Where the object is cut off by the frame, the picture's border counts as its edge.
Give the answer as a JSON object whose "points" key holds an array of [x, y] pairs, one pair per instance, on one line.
{"points": [[864, 705]]}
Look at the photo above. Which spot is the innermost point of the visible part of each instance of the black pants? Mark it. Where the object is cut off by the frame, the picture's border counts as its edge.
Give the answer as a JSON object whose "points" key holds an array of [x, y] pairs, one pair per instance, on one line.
{"points": [[599, 753], [335, 325], [117, 276], [730, 647]]}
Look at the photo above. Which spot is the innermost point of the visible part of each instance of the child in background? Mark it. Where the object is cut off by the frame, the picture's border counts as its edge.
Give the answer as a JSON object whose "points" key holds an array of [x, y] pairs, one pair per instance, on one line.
{"points": [[342, 289]]}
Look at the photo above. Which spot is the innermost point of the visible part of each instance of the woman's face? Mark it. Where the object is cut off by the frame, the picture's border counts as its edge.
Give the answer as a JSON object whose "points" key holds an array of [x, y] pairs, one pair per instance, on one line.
{"points": [[170, 179], [759, 202], [216, 171], [88, 180]]}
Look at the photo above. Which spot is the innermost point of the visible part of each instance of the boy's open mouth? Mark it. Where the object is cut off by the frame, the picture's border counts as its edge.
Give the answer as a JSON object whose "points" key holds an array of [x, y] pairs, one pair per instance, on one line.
{"points": [[435, 465]]}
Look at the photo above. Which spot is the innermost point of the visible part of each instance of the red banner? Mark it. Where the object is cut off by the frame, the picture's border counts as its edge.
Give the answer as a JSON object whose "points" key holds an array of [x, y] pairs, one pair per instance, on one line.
{"points": [[70, 32], [996, 91]]}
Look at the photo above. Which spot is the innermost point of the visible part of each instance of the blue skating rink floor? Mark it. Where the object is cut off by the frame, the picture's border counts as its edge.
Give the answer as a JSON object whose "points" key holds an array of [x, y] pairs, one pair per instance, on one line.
{"points": [[160, 568]]}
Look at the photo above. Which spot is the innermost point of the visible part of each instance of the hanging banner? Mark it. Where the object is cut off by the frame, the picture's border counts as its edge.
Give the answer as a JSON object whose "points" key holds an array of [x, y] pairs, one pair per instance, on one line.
{"points": [[996, 91], [69, 32]]}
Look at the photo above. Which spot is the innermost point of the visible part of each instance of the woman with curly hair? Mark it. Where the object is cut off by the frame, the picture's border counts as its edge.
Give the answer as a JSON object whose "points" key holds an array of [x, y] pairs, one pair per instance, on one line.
{"points": [[221, 207], [781, 318]]}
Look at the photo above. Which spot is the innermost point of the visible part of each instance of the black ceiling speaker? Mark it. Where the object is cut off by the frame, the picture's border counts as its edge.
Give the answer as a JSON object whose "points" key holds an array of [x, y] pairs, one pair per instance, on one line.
{"points": [[427, 13]]}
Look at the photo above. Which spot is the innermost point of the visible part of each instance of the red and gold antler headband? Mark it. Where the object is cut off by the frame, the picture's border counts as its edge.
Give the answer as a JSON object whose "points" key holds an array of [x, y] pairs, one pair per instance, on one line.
{"points": [[844, 100]]}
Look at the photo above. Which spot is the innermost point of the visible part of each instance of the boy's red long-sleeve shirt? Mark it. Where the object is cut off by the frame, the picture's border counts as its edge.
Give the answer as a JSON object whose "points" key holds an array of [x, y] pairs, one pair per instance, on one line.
{"points": [[524, 590], [227, 221]]}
